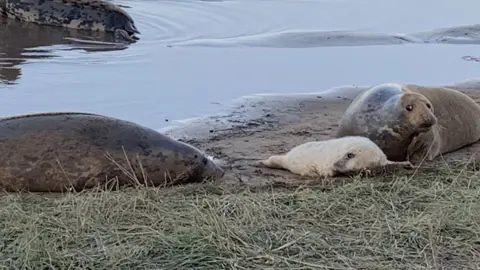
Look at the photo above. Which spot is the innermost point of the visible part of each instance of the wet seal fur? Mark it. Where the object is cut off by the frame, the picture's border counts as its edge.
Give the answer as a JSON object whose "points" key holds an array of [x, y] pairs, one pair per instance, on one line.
{"points": [[335, 157], [62, 151], [391, 116], [94, 15], [458, 123]]}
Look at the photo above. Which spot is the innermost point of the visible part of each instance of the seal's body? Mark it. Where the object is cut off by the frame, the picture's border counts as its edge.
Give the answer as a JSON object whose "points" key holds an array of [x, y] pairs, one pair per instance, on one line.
{"points": [[94, 15], [389, 115], [342, 156], [458, 123], [54, 152]]}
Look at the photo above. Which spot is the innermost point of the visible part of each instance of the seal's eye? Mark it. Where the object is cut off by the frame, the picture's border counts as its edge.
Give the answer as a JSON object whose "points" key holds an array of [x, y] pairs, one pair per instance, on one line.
{"points": [[350, 155], [429, 106], [409, 108]]}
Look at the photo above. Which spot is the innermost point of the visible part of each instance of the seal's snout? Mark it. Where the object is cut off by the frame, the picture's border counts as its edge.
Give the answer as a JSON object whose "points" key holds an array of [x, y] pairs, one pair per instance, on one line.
{"points": [[427, 123], [339, 166], [124, 36], [125, 30], [212, 170], [131, 28], [430, 119]]}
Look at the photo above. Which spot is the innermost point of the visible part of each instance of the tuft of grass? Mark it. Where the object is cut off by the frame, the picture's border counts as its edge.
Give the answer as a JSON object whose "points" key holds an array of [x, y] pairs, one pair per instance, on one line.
{"points": [[428, 221]]}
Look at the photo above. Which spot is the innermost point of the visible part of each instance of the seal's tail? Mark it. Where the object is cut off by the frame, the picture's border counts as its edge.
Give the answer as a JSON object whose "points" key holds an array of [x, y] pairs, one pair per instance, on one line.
{"points": [[274, 162]]}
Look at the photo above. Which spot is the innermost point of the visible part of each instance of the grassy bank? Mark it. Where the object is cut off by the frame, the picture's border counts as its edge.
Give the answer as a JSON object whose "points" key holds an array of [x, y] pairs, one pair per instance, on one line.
{"points": [[430, 220]]}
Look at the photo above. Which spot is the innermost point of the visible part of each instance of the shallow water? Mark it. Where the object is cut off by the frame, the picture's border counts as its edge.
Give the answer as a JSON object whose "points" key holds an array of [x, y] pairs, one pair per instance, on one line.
{"points": [[194, 57]]}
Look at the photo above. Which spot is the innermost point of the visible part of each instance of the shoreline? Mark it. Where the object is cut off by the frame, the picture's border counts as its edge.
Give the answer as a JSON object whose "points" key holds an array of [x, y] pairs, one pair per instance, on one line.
{"points": [[248, 110], [265, 124]]}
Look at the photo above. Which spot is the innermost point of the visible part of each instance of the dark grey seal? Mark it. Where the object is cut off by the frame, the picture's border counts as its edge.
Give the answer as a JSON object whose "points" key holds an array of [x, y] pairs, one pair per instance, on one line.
{"points": [[94, 15], [391, 116], [61, 151]]}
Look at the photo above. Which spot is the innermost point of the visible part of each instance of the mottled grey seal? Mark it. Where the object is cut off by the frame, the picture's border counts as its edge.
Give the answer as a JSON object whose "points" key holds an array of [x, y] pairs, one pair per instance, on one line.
{"points": [[458, 123], [342, 156], [94, 15], [55, 152], [389, 115]]}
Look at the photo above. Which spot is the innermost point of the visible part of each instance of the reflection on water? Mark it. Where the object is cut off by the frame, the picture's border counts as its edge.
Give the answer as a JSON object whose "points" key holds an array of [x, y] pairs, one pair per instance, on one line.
{"points": [[22, 41]]}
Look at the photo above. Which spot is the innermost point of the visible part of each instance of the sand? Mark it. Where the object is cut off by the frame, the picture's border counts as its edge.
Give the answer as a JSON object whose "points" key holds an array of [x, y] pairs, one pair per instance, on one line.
{"points": [[274, 125]]}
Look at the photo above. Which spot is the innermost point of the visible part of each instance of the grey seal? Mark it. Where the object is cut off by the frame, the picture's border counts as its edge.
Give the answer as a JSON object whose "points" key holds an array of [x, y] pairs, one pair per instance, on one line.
{"points": [[391, 116], [62, 151], [458, 123], [94, 15]]}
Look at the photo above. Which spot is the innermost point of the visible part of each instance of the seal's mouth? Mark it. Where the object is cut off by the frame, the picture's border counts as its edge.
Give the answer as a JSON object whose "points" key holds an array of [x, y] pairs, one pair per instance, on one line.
{"points": [[131, 30], [125, 36], [132, 36], [338, 167], [424, 128]]}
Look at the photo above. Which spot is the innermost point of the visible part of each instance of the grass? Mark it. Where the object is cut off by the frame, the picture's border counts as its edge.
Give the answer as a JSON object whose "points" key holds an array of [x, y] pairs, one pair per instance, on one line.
{"points": [[428, 221]]}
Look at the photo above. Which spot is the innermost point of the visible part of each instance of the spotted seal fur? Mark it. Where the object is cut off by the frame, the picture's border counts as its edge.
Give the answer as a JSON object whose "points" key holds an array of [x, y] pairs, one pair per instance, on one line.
{"points": [[94, 15], [391, 116], [60, 151], [342, 156]]}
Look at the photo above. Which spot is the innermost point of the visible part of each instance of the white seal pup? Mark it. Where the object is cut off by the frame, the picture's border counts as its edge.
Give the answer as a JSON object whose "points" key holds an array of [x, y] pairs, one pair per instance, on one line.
{"points": [[340, 156]]}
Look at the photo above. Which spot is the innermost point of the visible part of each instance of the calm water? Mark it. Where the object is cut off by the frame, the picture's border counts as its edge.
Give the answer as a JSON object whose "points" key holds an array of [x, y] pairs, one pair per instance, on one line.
{"points": [[194, 57]]}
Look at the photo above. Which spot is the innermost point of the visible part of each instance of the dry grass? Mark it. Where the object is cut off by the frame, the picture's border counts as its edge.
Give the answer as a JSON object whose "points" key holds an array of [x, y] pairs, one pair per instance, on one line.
{"points": [[430, 221]]}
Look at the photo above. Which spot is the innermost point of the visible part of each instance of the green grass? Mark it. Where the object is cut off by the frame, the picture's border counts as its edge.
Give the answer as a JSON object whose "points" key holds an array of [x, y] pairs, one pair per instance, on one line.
{"points": [[428, 221]]}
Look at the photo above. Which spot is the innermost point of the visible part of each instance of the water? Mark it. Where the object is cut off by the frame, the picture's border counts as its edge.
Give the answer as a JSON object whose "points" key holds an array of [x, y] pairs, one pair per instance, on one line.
{"points": [[195, 57]]}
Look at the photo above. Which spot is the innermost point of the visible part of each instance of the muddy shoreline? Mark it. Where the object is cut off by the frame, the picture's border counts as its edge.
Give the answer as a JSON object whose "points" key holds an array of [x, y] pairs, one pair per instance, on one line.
{"points": [[259, 126]]}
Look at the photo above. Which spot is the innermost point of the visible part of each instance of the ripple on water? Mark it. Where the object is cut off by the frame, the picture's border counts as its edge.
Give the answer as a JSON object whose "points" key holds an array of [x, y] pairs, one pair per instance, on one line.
{"points": [[168, 21], [160, 23]]}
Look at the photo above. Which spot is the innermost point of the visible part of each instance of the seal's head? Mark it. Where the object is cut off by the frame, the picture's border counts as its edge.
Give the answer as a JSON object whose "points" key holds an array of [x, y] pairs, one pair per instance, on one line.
{"points": [[361, 154], [209, 169], [418, 110], [124, 27], [127, 33], [199, 166]]}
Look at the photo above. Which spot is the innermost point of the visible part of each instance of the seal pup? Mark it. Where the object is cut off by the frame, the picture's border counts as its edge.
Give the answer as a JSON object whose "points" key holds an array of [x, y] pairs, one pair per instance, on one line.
{"points": [[61, 151], [341, 156], [391, 116], [94, 15], [458, 123]]}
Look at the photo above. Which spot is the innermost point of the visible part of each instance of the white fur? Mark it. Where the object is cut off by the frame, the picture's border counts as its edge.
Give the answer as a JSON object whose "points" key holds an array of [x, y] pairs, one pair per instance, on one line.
{"points": [[317, 158]]}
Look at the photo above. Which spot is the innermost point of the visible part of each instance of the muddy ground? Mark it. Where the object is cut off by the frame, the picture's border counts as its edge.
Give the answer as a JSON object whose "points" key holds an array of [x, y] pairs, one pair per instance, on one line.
{"points": [[277, 130]]}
